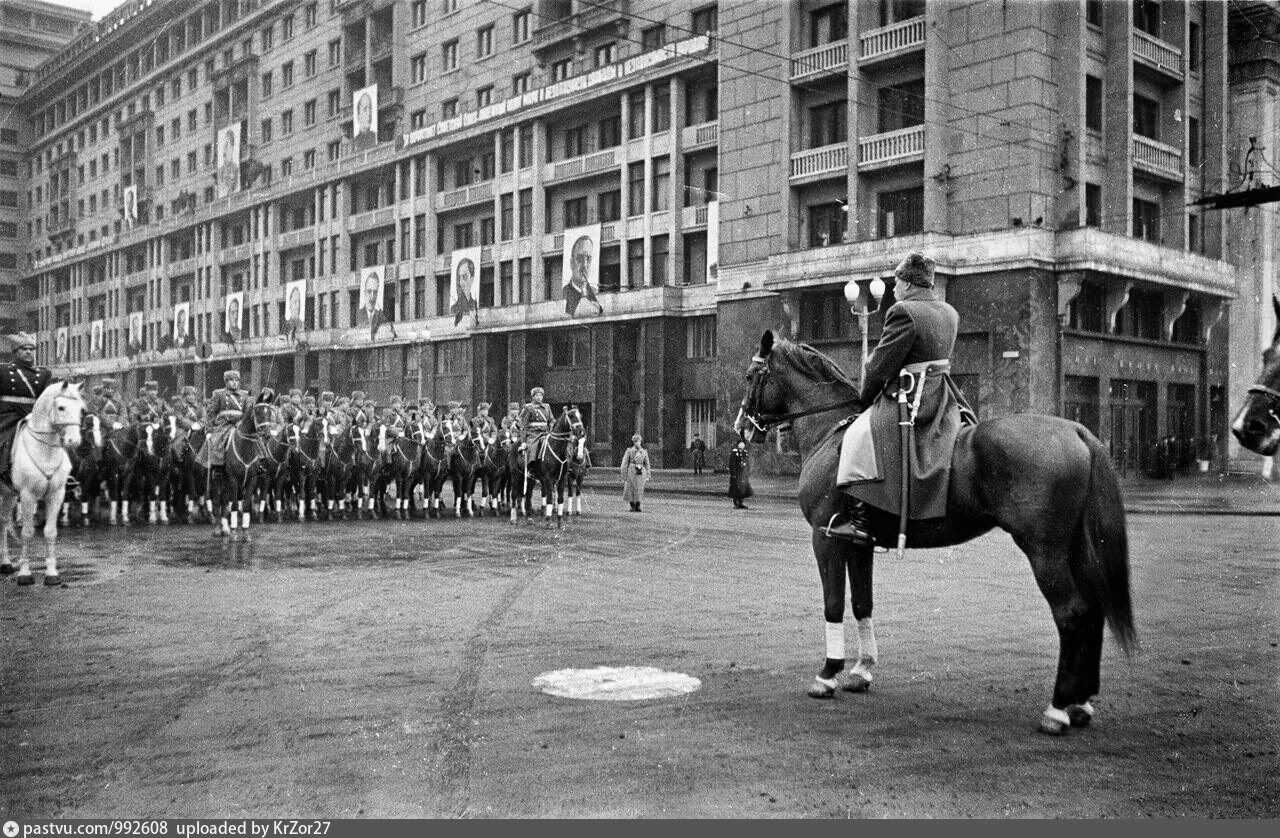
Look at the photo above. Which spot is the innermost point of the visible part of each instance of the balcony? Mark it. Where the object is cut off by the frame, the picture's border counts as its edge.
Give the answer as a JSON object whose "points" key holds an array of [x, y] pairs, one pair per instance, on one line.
{"points": [[821, 60], [465, 196], [244, 68], [583, 166], [580, 23], [235, 253], [354, 59], [295, 238], [878, 151], [369, 220], [693, 217], [1159, 55], [1157, 158], [891, 41], [818, 163], [697, 136], [382, 46]]}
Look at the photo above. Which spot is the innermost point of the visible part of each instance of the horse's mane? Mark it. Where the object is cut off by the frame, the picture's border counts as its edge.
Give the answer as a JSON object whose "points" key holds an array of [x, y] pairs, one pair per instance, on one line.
{"points": [[813, 363]]}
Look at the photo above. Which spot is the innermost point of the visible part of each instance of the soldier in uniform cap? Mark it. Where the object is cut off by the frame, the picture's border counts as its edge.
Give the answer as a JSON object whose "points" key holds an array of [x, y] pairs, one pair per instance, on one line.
{"points": [[511, 424], [309, 406], [188, 415], [146, 408], [21, 383], [359, 410], [110, 411], [226, 408], [291, 409], [483, 423], [430, 420], [535, 420]]}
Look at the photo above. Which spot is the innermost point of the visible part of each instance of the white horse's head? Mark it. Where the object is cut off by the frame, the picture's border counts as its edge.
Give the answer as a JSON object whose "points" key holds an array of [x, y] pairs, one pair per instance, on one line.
{"points": [[59, 409]]}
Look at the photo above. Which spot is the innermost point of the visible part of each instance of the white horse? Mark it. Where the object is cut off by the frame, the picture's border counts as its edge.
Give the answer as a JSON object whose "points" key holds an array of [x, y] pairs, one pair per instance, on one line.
{"points": [[40, 468]]}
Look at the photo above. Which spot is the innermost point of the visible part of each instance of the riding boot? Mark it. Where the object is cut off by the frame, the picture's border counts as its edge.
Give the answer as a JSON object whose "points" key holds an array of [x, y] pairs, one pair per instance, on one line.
{"points": [[850, 522]]}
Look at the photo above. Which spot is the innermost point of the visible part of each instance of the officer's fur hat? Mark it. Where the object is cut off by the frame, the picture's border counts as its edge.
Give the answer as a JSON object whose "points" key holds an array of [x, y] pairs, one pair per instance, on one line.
{"points": [[537, 391], [22, 339], [230, 374], [482, 407], [916, 269], [513, 405], [454, 405], [189, 390]]}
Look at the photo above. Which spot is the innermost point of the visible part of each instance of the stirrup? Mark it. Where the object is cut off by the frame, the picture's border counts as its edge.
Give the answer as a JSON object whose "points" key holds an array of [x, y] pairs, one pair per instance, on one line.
{"points": [[846, 532]]}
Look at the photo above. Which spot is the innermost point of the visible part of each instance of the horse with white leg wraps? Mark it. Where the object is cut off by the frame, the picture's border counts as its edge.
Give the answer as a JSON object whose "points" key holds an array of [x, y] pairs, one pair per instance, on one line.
{"points": [[39, 468]]}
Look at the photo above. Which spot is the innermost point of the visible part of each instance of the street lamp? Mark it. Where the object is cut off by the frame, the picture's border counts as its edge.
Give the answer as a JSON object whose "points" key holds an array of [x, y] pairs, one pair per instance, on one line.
{"points": [[852, 295]]}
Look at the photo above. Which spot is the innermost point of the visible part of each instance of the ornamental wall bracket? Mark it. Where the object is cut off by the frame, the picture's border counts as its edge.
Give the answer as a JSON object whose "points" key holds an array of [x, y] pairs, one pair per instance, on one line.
{"points": [[1117, 296], [1069, 287]]}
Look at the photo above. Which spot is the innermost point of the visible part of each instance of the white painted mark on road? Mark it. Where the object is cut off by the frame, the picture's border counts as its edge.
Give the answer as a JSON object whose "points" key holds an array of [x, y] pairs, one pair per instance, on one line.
{"points": [[616, 683]]}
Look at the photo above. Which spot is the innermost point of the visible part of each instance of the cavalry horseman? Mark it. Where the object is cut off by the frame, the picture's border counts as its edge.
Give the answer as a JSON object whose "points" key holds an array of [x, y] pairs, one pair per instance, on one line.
{"points": [[918, 337], [188, 416], [535, 422], [147, 408], [483, 423], [226, 408], [511, 424], [21, 383], [109, 408]]}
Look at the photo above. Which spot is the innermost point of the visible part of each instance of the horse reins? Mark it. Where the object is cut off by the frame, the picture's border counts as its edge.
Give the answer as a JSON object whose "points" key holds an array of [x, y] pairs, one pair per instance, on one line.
{"points": [[761, 422]]}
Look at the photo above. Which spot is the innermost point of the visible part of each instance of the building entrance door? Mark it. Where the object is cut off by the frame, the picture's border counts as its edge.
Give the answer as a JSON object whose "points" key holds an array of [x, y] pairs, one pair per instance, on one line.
{"points": [[1180, 425], [1133, 425]]}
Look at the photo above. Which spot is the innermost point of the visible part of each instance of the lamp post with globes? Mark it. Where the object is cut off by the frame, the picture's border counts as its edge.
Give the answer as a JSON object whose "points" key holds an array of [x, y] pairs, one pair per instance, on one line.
{"points": [[852, 295]]}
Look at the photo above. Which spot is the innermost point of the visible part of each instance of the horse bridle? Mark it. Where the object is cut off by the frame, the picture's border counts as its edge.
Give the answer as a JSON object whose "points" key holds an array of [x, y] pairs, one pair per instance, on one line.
{"points": [[1272, 395], [759, 372]]}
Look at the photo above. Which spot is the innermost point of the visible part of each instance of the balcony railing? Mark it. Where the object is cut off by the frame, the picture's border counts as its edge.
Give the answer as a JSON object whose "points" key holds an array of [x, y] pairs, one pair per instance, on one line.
{"points": [[587, 164], [1157, 53], [694, 216], [354, 57], [813, 162], [827, 58], [465, 195], [707, 133], [889, 40], [1157, 158], [892, 147], [581, 22]]}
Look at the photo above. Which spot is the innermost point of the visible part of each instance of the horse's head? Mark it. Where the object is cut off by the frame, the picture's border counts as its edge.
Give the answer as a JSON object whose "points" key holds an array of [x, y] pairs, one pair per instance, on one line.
{"points": [[1257, 425], [261, 418], [576, 426], [453, 431], [765, 395], [59, 409]]}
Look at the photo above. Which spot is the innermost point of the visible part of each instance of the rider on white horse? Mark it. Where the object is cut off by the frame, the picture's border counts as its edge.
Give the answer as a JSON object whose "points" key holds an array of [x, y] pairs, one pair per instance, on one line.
{"points": [[21, 383]]}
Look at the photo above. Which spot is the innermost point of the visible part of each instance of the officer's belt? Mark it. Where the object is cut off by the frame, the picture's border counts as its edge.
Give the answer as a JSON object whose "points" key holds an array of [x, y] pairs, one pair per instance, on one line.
{"points": [[17, 399]]}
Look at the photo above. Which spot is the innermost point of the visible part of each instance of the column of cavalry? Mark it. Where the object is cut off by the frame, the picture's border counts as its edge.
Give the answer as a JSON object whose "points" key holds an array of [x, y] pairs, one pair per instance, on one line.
{"points": [[239, 457]]}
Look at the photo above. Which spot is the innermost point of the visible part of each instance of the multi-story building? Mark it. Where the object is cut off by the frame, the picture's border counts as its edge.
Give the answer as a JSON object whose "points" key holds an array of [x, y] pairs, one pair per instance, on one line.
{"points": [[30, 33], [734, 166]]}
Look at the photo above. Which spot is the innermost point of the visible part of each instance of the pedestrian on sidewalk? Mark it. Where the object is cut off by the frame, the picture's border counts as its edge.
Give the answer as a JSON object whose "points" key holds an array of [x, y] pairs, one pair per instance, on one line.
{"points": [[739, 476], [635, 473], [699, 449]]}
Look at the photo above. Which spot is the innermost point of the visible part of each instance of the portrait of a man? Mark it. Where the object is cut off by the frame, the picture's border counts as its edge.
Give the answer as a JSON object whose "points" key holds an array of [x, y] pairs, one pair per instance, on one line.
{"points": [[233, 315], [130, 206], [371, 301], [463, 283], [60, 345], [228, 160], [181, 324], [135, 328], [364, 110], [295, 306], [95, 338], [581, 269]]}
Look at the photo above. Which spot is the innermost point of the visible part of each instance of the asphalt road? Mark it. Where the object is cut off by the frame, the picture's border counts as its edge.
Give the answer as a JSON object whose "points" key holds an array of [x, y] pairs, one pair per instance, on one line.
{"points": [[385, 669]]}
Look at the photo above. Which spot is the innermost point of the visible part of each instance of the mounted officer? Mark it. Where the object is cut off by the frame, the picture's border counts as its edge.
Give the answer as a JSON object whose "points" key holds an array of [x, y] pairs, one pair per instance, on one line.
{"points": [[535, 422], [359, 411], [110, 411], [147, 408], [188, 415], [511, 424], [918, 336], [226, 408], [291, 410], [21, 383], [484, 425]]}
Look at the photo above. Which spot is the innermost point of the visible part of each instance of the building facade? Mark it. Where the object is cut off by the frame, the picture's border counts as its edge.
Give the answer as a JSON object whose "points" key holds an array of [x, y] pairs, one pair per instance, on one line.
{"points": [[722, 169], [31, 32]]}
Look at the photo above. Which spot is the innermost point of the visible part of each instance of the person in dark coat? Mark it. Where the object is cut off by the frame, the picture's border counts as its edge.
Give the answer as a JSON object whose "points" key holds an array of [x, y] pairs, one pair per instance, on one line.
{"points": [[21, 383], [739, 476], [918, 336], [699, 449]]}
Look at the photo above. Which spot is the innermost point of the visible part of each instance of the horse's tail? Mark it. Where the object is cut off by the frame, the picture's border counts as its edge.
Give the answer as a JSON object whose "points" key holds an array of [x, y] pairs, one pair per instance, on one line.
{"points": [[1100, 556]]}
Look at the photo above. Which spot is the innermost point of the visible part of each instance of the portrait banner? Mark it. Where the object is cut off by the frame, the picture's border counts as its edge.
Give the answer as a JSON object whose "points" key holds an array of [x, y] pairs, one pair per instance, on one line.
{"points": [[464, 283], [95, 338], [580, 269], [228, 159], [130, 207], [135, 329], [713, 241], [61, 338], [295, 304], [233, 314], [364, 113], [182, 324], [371, 289]]}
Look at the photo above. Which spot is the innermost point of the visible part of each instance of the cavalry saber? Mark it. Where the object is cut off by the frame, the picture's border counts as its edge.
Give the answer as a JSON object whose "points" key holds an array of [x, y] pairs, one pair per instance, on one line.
{"points": [[906, 434]]}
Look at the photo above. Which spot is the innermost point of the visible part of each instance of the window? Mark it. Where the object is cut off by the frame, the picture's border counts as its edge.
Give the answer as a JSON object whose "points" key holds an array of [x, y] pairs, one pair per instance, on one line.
{"points": [[286, 123], [309, 113], [900, 212], [418, 119], [309, 63], [266, 85], [449, 56], [286, 74], [661, 108], [1093, 205], [311, 15], [520, 83], [484, 42], [700, 337], [560, 70], [265, 131], [286, 28], [901, 106], [333, 102], [661, 184], [705, 21], [609, 205], [605, 54], [419, 13], [635, 263], [268, 38], [520, 26], [450, 6], [506, 216], [653, 37], [658, 258], [335, 52], [575, 141], [309, 159], [286, 167], [462, 235], [822, 314], [1146, 117], [827, 224], [829, 123], [1146, 16], [484, 96], [1195, 234], [610, 132], [569, 348], [335, 150], [1195, 142], [1093, 12], [449, 108], [828, 24], [1093, 103], [526, 212], [635, 191], [418, 68], [575, 212], [1146, 220], [1195, 47]]}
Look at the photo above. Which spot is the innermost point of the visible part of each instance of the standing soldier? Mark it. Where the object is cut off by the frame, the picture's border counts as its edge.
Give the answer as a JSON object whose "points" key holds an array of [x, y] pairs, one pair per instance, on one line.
{"points": [[21, 383], [110, 411], [699, 449], [535, 420]]}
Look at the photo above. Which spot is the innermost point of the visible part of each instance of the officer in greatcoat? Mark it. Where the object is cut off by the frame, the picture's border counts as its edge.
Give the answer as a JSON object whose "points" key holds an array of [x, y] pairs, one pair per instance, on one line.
{"points": [[535, 420], [21, 383], [226, 408]]}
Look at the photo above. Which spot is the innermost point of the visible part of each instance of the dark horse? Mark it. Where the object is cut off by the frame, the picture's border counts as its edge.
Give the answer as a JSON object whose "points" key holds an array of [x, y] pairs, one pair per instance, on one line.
{"points": [[1257, 425], [1044, 480], [492, 475], [435, 469], [87, 466], [303, 465], [549, 467], [234, 482], [465, 443], [147, 474]]}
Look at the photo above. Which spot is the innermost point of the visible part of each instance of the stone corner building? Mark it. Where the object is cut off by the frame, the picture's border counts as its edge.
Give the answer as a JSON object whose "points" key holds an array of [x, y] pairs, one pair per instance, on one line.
{"points": [[744, 162]]}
